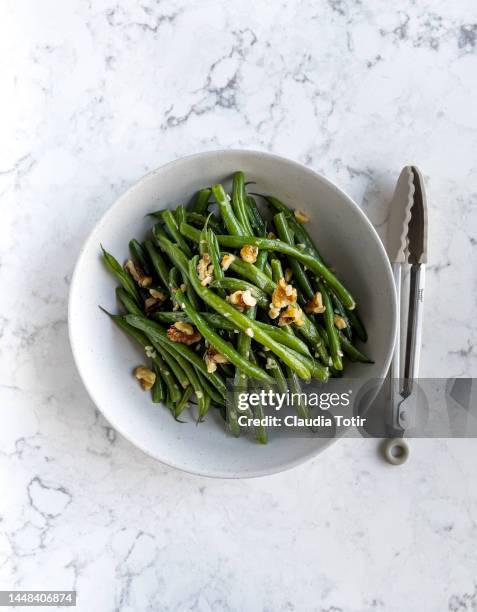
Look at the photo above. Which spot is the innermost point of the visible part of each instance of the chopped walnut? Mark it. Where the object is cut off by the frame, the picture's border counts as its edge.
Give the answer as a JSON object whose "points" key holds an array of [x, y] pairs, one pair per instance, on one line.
{"points": [[301, 216], [150, 351], [138, 275], [283, 295], [158, 295], [249, 253], [292, 314], [212, 357], [241, 299], [227, 261], [205, 270], [183, 333], [145, 376], [185, 327], [151, 304], [288, 274], [273, 312], [315, 305], [249, 332], [340, 323], [270, 364]]}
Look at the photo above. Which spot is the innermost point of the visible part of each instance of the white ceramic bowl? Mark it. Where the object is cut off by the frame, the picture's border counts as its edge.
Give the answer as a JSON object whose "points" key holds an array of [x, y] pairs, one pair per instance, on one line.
{"points": [[105, 357]]}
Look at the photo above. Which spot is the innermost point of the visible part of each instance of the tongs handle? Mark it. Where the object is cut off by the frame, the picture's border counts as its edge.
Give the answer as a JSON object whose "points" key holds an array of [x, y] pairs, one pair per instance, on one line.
{"points": [[414, 328]]}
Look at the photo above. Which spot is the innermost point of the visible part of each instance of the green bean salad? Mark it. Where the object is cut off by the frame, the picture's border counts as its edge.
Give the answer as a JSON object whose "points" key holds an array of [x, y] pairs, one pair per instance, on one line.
{"points": [[219, 291]]}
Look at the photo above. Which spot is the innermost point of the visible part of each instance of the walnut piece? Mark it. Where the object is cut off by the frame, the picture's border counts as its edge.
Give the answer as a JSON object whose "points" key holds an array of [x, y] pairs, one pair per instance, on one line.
{"points": [[301, 216], [150, 352], [205, 270], [315, 305], [151, 304], [212, 357], [283, 295], [227, 261], [138, 275], [155, 300], [292, 314], [241, 299], [183, 333], [273, 312], [145, 376], [249, 253], [340, 323]]}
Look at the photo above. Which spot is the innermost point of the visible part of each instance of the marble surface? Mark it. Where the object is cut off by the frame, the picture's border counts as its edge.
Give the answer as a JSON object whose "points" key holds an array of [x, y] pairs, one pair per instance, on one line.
{"points": [[95, 94]]}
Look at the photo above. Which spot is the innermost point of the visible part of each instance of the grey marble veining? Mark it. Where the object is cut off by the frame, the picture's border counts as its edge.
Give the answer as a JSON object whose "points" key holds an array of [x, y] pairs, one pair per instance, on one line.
{"points": [[95, 94]]}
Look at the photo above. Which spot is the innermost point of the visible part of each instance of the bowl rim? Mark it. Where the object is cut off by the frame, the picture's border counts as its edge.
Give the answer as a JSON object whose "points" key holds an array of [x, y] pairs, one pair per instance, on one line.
{"points": [[110, 212]]}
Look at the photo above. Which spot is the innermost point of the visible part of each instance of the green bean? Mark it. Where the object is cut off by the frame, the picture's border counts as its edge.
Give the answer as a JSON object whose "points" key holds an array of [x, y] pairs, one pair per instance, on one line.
{"points": [[255, 217], [182, 403], [158, 231], [145, 341], [340, 310], [173, 229], [273, 365], [201, 201], [204, 405], [243, 323], [157, 333], [295, 388], [201, 220], [167, 374], [239, 202], [174, 282], [180, 215], [260, 430], [214, 253], [333, 337], [299, 275], [126, 300], [203, 242], [122, 276], [252, 273], [173, 362], [158, 262], [309, 329], [277, 270], [217, 321], [219, 343], [158, 391], [357, 325], [225, 208], [137, 252], [353, 353], [308, 260], [244, 342], [180, 260], [294, 252], [192, 379], [300, 232], [236, 284], [267, 270], [209, 389]]}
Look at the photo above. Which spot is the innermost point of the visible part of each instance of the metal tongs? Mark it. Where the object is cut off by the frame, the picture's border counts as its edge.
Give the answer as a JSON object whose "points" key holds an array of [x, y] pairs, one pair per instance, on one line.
{"points": [[407, 246]]}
